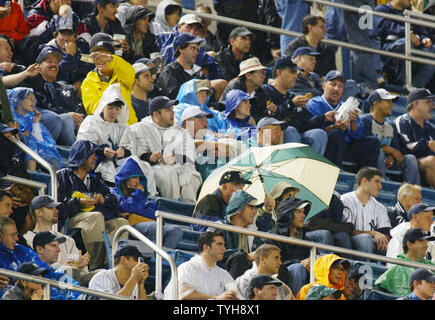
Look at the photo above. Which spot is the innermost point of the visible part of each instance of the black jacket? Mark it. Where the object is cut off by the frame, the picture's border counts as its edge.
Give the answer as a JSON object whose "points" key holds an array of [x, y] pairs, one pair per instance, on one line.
{"points": [[326, 59], [172, 77], [228, 64]]}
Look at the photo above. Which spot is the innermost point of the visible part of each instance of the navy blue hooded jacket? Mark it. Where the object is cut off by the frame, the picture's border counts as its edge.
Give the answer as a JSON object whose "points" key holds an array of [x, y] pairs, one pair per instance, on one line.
{"points": [[137, 202], [69, 182]]}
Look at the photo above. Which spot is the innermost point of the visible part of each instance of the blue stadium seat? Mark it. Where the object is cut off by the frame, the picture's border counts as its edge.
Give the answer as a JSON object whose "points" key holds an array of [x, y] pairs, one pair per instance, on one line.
{"points": [[174, 206], [41, 177], [345, 182], [388, 194], [428, 196]]}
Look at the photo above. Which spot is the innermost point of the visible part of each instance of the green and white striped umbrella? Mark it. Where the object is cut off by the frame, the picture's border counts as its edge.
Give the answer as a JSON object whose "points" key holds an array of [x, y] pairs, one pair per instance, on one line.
{"points": [[296, 163]]}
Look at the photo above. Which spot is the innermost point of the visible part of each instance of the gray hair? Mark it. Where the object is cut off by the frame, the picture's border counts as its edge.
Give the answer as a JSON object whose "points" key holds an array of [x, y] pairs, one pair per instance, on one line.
{"points": [[406, 189]]}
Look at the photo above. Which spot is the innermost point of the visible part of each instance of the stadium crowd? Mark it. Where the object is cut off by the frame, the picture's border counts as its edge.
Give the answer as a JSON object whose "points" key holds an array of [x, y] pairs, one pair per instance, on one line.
{"points": [[148, 102]]}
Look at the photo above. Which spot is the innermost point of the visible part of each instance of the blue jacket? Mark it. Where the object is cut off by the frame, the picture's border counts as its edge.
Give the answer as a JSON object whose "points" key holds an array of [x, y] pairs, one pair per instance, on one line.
{"points": [[69, 182], [165, 40], [187, 97], [137, 202], [318, 105], [415, 137]]}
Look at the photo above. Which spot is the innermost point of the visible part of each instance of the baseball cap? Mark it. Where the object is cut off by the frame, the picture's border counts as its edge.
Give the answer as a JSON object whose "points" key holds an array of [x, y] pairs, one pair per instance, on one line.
{"points": [[305, 51], [419, 93], [416, 234], [380, 94], [48, 50], [249, 65], [190, 18], [344, 262], [44, 237], [43, 201], [157, 61], [102, 40], [128, 250], [240, 32], [4, 129], [419, 207], [161, 102], [32, 269], [194, 112], [233, 176], [269, 120], [285, 62], [335, 74], [319, 291], [261, 280], [140, 67], [64, 22], [239, 199], [422, 274], [279, 188], [201, 85], [184, 38]]}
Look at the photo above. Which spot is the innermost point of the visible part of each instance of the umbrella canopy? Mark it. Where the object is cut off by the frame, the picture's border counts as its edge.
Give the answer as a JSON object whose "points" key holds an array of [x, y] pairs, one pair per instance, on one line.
{"points": [[296, 163]]}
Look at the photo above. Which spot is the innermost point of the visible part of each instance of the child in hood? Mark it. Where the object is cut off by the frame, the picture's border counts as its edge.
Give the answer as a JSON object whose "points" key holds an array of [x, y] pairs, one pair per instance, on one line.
{"points": [[34, 134]]}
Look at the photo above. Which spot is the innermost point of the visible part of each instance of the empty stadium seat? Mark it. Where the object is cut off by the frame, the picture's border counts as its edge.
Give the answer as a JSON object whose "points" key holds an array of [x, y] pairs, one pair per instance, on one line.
{"points": [[174, 206], [345, 182]]}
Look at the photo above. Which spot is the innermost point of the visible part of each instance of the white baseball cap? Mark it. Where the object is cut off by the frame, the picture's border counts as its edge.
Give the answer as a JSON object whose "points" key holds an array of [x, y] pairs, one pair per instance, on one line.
{"points": [[190, 19], [194, 111], [250, 65]]}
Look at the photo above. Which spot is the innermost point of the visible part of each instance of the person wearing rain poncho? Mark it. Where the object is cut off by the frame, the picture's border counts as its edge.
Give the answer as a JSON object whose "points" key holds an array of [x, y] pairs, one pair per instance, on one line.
{"points": [[329, 271], [35, 135], [108, 128], [156, 145], [134, 205]]}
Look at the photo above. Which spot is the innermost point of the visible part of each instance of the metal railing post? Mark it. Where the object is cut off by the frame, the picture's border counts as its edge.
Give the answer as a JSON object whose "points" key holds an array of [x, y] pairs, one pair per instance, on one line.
{"points": [[159, 243], [313, 258], [159, 252], [408, 47], [47, 291]]}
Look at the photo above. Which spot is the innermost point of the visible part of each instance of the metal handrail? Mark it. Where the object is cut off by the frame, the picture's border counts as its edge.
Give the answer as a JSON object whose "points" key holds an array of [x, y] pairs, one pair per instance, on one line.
{"points": [[280, 31], [43, 163], [61, 285], [160, 254], [313, 245], [30, 183]]}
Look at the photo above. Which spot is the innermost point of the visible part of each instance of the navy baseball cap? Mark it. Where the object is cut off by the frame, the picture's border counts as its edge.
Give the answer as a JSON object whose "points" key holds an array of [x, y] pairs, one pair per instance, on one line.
{"points": [[43, 201], [419, 207], [305, 51], [269, 120], [285, 62], [233, 176], [102, 40], [380, 94], [161, 102], [32, 269], [421, 274], [261, 280], [240, 32], [185, 38], [128, 251], [335, 74], [44, 237], [49, 50], [5, 129], [419, 93], [416, 234]]}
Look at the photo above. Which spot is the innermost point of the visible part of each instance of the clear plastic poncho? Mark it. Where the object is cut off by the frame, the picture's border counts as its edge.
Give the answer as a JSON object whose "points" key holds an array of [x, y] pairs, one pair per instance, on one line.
{"points": [[38, 138]]}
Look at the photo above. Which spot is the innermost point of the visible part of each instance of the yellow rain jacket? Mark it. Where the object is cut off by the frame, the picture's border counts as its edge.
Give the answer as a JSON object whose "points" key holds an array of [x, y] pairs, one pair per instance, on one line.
{"points": [[92, 87], [321, 273]]}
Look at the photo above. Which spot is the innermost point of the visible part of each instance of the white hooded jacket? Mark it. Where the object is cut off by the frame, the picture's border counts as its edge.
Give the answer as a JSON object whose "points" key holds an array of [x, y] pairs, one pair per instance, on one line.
{"points": [[112, 135]]}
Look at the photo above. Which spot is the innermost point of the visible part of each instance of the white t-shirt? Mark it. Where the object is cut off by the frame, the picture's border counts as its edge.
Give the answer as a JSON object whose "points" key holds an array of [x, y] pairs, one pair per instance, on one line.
{"points": [[106, 281], [196, 275], [370, 217]]}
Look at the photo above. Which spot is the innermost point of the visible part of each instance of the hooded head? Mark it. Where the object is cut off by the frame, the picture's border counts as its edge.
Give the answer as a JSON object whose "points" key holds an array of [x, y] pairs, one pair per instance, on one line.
{"points": [[286, 210], [110, 95], [130, 169], [163, 8], [187, 93], [233, 99], [135, 13], [80, 151], [323, 268], [16, 97]]}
